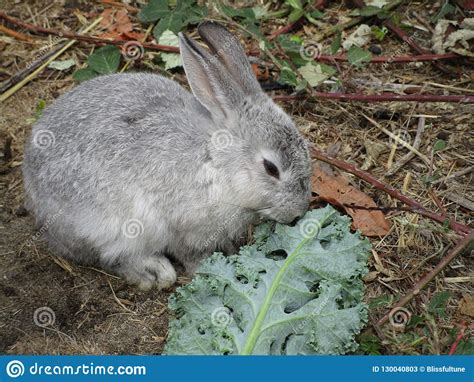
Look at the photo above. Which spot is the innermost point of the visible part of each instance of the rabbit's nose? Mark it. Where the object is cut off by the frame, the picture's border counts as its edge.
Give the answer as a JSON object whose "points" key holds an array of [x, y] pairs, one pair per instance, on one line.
{"points": [[297, 216]]}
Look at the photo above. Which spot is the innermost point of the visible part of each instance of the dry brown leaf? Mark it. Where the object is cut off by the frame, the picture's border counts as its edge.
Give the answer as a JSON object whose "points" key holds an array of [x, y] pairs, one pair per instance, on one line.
{"points": [[261, 74], [336, 190], [466, 306], [123, 23], [107, 18], [116, 24]]}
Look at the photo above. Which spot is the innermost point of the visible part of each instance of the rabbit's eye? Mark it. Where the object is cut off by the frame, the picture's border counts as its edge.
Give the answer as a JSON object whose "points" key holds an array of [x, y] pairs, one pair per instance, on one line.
{"points": [[271, 169]]}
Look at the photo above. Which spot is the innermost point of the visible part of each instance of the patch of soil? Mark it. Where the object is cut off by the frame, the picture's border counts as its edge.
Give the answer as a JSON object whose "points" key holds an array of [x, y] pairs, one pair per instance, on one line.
{"points": [[48, 306]]}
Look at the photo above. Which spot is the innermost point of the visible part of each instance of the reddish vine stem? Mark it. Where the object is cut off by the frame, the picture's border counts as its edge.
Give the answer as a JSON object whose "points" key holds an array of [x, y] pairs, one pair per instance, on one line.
{"points": [[463, 244], [456, 342], [18, 35], [416, 207], [384, 59], [393, 59], [287, 28], [79, 37], [384, 97]]}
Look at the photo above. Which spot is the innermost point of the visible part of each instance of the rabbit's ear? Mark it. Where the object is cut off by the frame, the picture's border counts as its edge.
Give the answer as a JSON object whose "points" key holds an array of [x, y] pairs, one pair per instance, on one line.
{"points": [[210, 82], [227, 48]]}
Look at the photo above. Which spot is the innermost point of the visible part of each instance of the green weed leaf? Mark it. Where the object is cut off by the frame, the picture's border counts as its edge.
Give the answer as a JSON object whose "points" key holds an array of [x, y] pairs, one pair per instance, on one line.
{"points": [[105, 60], [358, 56]]}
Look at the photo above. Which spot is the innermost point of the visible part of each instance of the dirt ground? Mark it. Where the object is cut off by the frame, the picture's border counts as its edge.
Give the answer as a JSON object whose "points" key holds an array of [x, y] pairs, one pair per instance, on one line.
{"points": [[91, 312]]}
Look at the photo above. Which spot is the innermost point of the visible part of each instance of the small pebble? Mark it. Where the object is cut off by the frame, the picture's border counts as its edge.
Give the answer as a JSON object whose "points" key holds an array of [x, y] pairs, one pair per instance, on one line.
{"points": [[21, 211], [444, 135], [376, 49]]}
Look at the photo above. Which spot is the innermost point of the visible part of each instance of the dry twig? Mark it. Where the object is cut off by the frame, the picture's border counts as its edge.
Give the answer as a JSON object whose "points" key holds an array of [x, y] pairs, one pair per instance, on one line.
{"points": [[463, 244], [18, 35], [392, 59], [80, 37], [416, 145], [384, 97]]}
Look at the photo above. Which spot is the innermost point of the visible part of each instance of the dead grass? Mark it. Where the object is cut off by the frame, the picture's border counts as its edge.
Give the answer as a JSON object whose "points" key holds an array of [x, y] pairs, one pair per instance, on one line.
{"points": [[96, 313]]}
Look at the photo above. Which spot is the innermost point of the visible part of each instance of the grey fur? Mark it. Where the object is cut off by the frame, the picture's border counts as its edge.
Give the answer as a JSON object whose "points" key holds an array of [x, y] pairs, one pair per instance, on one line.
{"points": [[138, 151]]}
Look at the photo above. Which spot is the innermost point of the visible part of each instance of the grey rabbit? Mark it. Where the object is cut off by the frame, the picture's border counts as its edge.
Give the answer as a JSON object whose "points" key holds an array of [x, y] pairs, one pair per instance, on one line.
{"points": [[131, 170]]}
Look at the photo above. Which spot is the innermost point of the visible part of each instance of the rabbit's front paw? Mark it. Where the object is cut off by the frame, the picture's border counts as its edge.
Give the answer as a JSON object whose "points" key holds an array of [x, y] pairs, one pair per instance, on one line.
{"points": [[153, 270]]}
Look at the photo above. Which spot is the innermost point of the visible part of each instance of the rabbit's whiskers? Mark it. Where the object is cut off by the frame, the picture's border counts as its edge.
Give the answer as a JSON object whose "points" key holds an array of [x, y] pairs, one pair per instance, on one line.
{"points": [[258, 210]]}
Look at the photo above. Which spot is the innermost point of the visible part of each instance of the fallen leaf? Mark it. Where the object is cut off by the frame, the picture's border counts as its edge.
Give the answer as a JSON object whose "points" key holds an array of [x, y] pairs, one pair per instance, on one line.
{"points": [[123, 23], [315, 74], [457, 41], [115, 24], [336, 190], [377, 3], [371, 276], [62, 65], [373, 150], [172, 60], [260, 73], [360, 37], [107, 18], [462, 37], [466, 305]]}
